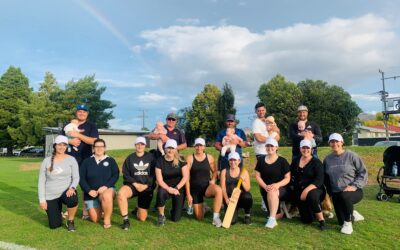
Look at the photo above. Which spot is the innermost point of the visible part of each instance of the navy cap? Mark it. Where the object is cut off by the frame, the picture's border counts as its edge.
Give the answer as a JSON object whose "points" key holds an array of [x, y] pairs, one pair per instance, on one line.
{"points": [[82, 107], [230, 117]]}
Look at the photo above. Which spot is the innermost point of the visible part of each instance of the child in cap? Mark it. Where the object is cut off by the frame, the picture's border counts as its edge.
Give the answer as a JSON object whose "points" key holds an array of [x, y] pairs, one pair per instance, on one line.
{"points": [[230, 140], [301, 126], [160, 130], [72, 126]]}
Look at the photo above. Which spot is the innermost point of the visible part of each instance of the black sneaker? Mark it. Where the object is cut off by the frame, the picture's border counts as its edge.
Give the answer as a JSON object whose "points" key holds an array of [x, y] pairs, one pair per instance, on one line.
{"points": [[247, 220], [322, 225], [70, 226], [126, 224], [161, 220]]}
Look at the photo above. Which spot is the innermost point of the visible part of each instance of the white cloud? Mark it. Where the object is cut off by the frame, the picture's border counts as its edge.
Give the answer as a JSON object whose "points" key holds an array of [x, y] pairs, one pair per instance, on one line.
{"points": [[122, 84], [126, 124], [366, 97], [153, 97]]}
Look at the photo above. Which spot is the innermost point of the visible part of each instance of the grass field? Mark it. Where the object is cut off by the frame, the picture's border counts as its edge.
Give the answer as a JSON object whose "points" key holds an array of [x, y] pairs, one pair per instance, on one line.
{"points": [[22, 222]]}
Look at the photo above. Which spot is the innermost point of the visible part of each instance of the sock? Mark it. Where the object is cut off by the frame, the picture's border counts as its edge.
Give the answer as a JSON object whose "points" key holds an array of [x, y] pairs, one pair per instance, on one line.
{"points": [[215, 215], [247, 215], [125, 217]]}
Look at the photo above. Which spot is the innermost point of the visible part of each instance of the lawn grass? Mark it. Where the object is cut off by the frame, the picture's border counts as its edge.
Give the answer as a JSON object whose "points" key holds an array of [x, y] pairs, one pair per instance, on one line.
{"points": [[25, 224]]}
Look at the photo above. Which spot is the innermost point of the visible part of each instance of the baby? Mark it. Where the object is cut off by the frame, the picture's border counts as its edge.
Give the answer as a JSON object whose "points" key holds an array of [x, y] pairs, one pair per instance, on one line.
{"points": [[271, 125], [301, 126], [230, 141], [160, 130], [72, 126]]}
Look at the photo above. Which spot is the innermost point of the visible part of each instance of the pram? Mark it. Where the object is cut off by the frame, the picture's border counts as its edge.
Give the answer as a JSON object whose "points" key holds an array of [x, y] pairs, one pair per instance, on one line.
{"points": [[389, 184]]}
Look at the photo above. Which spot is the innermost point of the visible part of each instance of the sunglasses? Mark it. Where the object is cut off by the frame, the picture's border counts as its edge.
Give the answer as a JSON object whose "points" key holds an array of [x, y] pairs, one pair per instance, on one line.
{"points": [[171, 119]]}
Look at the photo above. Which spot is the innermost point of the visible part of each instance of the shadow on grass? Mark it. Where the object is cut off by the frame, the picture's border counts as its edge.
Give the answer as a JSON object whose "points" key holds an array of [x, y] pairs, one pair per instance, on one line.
{"points": [[21, 202]]}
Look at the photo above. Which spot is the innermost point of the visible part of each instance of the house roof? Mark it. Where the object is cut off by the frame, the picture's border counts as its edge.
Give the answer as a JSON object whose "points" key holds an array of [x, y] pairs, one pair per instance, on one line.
{"points": [[380, 128]]}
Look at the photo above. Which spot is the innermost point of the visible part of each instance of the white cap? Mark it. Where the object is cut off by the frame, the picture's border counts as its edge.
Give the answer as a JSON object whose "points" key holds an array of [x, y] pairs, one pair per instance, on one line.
{"points": [[140, 139], [302, 108], [200, 141], [61, 139], [234, 155], [271, 141], [305, 143], [336, 137], [171, 143]]}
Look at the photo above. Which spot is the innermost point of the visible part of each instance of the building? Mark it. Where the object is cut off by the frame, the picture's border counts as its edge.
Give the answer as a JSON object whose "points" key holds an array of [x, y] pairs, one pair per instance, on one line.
{"points": [[369, 135]]}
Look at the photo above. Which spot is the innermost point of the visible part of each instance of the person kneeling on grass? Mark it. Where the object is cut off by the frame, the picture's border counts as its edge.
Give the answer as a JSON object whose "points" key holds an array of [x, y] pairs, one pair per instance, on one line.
{"points": [[58, 178], [171, 174], [99, 174], [138, 173], [199, 185]]}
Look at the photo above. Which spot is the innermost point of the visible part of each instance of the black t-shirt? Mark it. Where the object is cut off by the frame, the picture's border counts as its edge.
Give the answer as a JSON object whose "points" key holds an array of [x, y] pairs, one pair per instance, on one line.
{"points": [[272, 173], [139, 169], [172, 175], [296, 138], [311, 173]]}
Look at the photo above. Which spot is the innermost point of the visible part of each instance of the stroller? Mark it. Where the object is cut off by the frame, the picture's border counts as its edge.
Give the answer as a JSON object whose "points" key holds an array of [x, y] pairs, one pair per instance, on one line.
{"points": [[389, 184]]}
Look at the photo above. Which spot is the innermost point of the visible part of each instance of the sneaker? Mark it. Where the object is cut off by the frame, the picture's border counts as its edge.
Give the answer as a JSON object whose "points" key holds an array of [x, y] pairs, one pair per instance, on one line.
{"points": [[217, 222], [70, 226], [322, 225], [64, 215], [357, 216], [126, 224], [285, 210], [206, 209], [161, 220], [271, 223], [247, 220], [347, 228]]}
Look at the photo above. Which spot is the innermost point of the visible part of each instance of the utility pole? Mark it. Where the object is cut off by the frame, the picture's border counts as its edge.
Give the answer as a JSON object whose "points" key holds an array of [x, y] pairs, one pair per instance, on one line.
{"points": [[143, 116]]}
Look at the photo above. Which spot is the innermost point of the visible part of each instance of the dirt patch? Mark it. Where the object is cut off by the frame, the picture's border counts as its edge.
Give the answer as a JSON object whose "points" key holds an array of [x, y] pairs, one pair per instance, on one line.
{"points": [[29, 166]]}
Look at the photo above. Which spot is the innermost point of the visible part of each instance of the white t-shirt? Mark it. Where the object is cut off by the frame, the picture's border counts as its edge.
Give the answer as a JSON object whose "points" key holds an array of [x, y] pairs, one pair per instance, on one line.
{"points": [[259, 127], [71, 127]]}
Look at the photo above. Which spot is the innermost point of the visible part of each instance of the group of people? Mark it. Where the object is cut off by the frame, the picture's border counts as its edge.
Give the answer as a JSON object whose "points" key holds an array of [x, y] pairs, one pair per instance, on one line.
{"points": [[79, 157]]}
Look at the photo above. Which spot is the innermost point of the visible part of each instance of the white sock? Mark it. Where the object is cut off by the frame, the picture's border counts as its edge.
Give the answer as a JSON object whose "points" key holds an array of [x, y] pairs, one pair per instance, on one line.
{"points": [[247, 215], [215, 215]]}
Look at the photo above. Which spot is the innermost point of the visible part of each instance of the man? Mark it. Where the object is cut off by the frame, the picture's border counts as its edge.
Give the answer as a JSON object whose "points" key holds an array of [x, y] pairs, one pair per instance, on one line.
{"points": [[260, 132], [172, 133], [223, 161], [312, 131]]}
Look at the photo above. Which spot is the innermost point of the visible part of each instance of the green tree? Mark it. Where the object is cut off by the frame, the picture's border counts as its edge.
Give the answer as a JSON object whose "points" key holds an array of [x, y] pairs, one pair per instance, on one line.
{"points": [[225, 105], [14, 94], [393, 119], [202, 118], [281, 97], [331, 107]]}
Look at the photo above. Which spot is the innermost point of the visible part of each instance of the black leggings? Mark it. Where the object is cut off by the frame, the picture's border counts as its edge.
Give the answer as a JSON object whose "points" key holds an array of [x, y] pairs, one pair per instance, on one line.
{"points": [[245, 201], [177, 202], [311, 205], [54, 208], [343, 203]]}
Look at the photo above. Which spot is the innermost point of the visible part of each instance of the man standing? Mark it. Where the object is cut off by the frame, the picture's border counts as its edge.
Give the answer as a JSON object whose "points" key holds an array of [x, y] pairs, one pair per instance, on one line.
{"points": [[223, 161], [312, 131], [172, 133]]}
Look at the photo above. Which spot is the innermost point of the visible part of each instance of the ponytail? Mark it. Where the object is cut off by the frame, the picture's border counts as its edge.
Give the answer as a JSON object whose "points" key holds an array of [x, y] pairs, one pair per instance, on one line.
{"points": [[52, 158]]}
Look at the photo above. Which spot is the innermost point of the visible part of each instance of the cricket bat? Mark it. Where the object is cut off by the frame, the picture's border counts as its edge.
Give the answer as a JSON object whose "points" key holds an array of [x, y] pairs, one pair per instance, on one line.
{"points": [[232, 203]]}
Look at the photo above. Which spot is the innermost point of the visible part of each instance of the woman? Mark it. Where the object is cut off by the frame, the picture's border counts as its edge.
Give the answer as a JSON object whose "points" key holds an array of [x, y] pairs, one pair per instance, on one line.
{"points": [[138, 171], [307, 183], [99, 174], [345, 176], [272, 175], [229, 180], [58, 178], [199, 184], [171, 175]]}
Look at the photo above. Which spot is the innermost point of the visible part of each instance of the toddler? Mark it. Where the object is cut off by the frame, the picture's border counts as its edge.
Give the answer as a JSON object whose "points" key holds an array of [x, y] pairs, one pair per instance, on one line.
{"points": [[230, 141], [301, 126], [72, 126], [271, 125], [160, 130]]}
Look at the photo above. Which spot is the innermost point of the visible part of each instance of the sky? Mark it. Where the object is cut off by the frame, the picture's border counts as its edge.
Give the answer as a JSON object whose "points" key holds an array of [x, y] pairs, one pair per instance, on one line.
{"points": [[153, 57]]}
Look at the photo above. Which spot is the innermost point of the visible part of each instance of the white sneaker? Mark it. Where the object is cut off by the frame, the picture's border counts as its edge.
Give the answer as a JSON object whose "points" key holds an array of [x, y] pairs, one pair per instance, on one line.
{"points": [[357, 216], [217, 222], [347, 228], [285, 210], [271, 223]]}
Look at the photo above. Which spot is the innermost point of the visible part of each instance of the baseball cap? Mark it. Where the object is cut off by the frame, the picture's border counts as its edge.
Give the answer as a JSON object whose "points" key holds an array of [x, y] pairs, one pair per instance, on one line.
{"points": [[302, 108], [230, 117], [171, 143], [305, 143], [336, 137], [82, 107], [140, 139], [200, 141], [172, 116], [271, 141], [61, 139], [234, 155]]}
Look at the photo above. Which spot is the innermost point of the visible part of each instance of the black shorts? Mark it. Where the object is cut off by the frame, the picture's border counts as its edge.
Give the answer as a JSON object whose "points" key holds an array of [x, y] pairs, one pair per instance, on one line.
{"points": [[144, 197], [198, 192]]}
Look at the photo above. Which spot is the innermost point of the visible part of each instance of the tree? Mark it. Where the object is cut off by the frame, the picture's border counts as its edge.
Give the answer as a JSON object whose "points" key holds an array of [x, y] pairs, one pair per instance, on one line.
{"points": [[281, 98], [226, 105], [203, 117], [14, 94], [331, 107], [393, 119]]}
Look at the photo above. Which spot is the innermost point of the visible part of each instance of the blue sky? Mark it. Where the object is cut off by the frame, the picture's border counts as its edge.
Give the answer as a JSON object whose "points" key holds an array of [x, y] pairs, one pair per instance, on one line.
{"points": [[157, 55]]}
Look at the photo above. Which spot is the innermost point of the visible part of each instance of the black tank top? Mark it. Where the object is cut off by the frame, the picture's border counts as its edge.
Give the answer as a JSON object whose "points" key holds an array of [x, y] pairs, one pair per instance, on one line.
{"points": [[231, 182], [200, 172]]}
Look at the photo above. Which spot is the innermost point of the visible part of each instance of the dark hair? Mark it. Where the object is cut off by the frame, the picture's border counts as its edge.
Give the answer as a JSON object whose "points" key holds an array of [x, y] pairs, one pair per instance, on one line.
{"points": [[99, 140], [52, 158], [259, 104]]}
